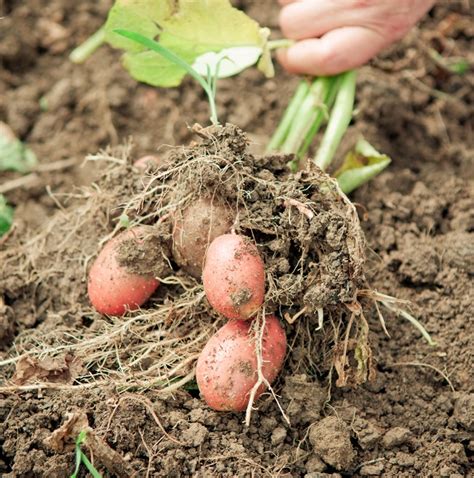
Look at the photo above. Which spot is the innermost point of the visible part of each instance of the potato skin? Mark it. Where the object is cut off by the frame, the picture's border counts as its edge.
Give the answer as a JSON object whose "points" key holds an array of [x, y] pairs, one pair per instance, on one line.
{"points": [[151, 162], [195, 228], [112, 289], [234, 276], [227, 367]]}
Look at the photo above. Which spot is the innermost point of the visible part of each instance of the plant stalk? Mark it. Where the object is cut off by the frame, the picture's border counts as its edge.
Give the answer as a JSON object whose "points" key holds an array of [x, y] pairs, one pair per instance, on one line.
{"points": [[281, 43], [81, 53], [169, 55], [339, 120], [291, 111], [312, 103], [321, 115]]}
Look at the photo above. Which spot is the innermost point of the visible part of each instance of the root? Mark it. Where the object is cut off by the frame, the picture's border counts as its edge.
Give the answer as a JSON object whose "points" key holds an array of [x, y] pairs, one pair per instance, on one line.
{"points": [[148, 405], [259, 323], [302, 208], [34, 178], [390, 303], [313, 266], [293, 319], [320, 318], [152, 349], [427, 365]]}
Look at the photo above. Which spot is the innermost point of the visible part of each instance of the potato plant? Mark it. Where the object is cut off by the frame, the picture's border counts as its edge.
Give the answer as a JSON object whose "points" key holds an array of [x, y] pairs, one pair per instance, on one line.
{"points": [[210, 238]]}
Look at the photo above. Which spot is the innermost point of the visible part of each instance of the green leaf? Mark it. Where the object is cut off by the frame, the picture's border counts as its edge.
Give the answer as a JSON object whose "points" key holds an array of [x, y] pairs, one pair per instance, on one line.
{"points": [[14, 155], [167, 54], [360, 165], [201, 26], [90, 467], [191, 29], [150, 68], [227, 62], [6, 215], [124, 220], [141, 16]]}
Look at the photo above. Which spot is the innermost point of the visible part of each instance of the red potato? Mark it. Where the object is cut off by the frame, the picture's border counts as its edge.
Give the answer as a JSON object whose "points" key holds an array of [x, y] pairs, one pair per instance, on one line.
{"points": [[112, 289], [227, 367], [234, 276], [195, 228], [147, 161]]}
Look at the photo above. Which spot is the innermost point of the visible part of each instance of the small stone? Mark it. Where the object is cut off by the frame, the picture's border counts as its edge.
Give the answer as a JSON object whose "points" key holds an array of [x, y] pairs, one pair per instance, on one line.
{"points": [[372, 469], [332, 442], [278, 436], [395, 437]]}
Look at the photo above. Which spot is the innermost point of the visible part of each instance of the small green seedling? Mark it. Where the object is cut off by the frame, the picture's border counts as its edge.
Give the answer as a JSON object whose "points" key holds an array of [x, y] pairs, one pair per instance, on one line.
{"points": [[456, 65], [14, 155], [81, 458], [6, 216]]}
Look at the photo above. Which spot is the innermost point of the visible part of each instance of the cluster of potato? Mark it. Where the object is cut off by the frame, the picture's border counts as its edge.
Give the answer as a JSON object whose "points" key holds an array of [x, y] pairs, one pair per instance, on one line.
{"points": [[243, 352]]}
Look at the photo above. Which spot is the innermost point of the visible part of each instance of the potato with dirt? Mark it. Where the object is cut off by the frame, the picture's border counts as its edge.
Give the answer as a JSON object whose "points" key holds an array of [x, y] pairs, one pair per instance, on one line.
{"points": [[234, 277], [150, 161], [227, 369], [113, 288], [195, 228]]}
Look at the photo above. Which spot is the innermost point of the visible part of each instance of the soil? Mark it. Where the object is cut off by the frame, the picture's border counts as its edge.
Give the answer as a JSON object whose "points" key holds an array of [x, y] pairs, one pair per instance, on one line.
{"points": [[415, 418]]}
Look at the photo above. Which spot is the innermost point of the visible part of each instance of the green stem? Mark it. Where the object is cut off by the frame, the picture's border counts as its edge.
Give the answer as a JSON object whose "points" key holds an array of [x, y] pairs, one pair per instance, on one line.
{"points": [[90, 467], [321, 116], [312, 105], [169, 55], [212, 105], [81, 53], [282, 43], [291, 111], [339, 120]]}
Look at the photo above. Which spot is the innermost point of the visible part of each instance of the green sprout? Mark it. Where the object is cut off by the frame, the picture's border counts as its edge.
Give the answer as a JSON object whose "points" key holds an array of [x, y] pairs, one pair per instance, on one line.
{"points": [[6, 216], [207, 85], [81, 458]]}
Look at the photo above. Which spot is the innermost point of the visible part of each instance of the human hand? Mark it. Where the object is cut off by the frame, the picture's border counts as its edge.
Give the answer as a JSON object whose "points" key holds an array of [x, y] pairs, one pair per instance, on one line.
{"points": [[337, 35]]}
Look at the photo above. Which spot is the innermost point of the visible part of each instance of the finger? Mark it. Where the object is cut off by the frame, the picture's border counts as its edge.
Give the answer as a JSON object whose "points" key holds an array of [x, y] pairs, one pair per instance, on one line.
{"points": [[309, 19], [337, 51], [287, 2]]}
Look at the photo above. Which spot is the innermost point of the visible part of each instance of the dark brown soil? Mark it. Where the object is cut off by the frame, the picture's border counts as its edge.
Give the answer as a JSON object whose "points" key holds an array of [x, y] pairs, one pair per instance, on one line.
{"points": [[419, 224]]}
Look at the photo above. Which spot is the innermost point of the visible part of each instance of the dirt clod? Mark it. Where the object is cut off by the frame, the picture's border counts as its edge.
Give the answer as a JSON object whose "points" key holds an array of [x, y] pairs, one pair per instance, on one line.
{"points": [[331, 441], [395, 437]]}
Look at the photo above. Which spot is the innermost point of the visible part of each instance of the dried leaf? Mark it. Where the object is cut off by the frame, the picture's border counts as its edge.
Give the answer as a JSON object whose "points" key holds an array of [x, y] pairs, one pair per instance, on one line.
{"points": [[64, 438], [53, 370]]}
